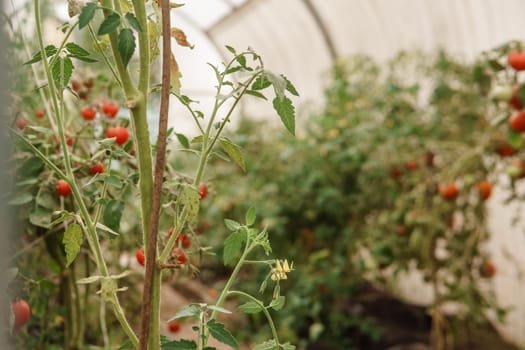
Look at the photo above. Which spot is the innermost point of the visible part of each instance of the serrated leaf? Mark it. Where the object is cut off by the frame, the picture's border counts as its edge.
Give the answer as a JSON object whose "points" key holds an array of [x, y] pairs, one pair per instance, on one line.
{"points": [[290, 87], [250, 307], [180, 37], [219, 309], [267, 345], [221, 334], [40, 216], [241, 60], [72, 242], [175, 75], [109, 25], [62, 70], [126, 45], [179, 345], [76, 50], [21, 198], [86, 14], [251, 215], [187, 311], [85, 59], [37, 57], [231, 49], [112, 214], [232, 247], [285, 109], [234, 151], [232, 225], [278, 82], [114, 181], [183, 140], [90, 279], [278, 304], [190, 198], [261, 82], [133, 22], [256, 94], [514, 139]]}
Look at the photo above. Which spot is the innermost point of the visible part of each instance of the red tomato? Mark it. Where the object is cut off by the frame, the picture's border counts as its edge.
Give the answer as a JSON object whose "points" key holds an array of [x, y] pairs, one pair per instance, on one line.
{"points": [[110, 109], [515, 101], [203, 191], [505, 150], [120, 133], [449, 191], [97, 168], [21, 311], [411, 165], [516, 60], [140, 256], [88, 113], [63, 188], [39, 114], [179, 255], [488, 269], [517, 121], [21, 123], [174, 326], [485, 189], [184, 239]]}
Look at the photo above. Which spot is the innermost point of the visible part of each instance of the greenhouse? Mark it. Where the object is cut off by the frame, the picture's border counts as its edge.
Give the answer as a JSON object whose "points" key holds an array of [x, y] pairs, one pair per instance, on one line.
{"points": [[263, 175]]}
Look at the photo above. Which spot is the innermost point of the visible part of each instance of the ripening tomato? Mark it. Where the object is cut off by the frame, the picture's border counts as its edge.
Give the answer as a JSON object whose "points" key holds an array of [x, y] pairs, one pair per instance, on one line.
{"points": [[22, 312], [63, 188], [140, 256], [485, 189], [488, 269], [21, 123], [120, 133], [89, 83], [88, 113], [179, 254], [97, 168], [401, 230], [517, 121], [39, 114], [505, 150], [110, 109], [411, 165], [515, 100], [396, 172], [174, 326], [203, 191], [449, 191], [516, 60]]}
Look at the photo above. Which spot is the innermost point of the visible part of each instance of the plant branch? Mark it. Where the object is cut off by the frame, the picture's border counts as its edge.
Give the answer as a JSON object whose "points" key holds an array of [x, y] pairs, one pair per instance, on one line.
{"points": [[158, 180]]}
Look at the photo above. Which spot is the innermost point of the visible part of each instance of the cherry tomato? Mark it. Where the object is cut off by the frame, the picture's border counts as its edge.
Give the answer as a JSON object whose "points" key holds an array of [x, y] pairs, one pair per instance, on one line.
{"points": [[63, 188]]}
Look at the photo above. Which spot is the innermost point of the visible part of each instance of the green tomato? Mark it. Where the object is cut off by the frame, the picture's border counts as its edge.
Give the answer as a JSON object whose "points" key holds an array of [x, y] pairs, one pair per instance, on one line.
{"points": [[502, 92]]}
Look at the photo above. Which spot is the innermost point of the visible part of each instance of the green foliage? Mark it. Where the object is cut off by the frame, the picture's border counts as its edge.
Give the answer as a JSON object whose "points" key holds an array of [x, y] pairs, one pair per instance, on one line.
{"points": [[72, 242]]}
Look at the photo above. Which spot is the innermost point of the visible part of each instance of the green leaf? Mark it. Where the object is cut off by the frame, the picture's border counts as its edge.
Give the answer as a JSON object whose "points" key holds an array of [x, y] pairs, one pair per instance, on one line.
{"points": [[261, 82], [85, 59], [106, 229], [31, 167], [242, 60], [190, 198], [72, 242], [288, 346], [278, 304], [47, 200], [21, 198], [126, 45], [89, 280], [521, 93], [256, 94], [109, 25], [86, 14], [75, 50], [179, 345], [112, 214], [232, 247], [219, 309], [37, 57], [278, 82], [267, 345], [114, 181], [62, 70], [289, 86], [133, 22], [514, 139], [231, 49], [40, 216], [183, 140], [250, 307], [221, 334], [285, 109], [187, 311], [234, 151], [251, 215], [232, 225]]}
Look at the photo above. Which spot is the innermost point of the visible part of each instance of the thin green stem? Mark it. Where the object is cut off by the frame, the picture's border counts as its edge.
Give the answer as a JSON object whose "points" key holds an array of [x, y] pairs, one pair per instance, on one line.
{"points": [[264, 310], [102, 194], [106, 58], [63, 43]]}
